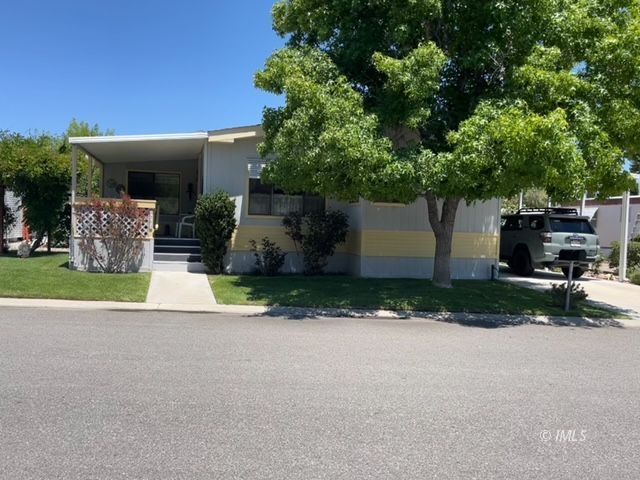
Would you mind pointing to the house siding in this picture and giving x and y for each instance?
(384, 240)
(13, 203)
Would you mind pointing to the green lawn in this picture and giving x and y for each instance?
(47, 276)
(389, 294)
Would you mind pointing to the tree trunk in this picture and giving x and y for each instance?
(1, 219)
(49, 241)
(36, 243)
(442, 225)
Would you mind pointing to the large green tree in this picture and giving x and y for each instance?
(453, 101)
(38, 168)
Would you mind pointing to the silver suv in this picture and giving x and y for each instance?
(547, 237)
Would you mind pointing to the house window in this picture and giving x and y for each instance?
(267, 199)
(164, 188)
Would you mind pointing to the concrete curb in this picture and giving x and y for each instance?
(471, 319)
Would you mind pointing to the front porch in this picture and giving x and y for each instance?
(163, 174)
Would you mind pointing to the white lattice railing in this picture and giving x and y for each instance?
(89, 223)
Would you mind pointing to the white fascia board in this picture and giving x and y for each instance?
(138, 138)
(231, 137)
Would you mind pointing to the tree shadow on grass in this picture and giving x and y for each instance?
(480, 304)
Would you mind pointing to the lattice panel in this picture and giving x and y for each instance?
(87, 224)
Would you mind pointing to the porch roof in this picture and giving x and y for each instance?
(142, 148)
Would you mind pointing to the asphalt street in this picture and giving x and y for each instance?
(149, 395)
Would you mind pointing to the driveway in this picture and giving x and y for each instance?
(149, 395)
(612, 294)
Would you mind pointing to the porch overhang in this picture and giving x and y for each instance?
(230, 135)
(142, 148)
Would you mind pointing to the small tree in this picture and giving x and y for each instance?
(111, 233)
(215, 224)
(318, 233)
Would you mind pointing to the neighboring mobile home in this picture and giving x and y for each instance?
(14, 203)
(167, 173)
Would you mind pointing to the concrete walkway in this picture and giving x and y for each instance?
(609, 293)
(180, 288)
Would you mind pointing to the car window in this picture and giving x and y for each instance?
(536, 222)
(571, 225)
(512, 223)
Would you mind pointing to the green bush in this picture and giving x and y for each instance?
(558, 293)
(269, 256)
(318, 233)
(633, 255)
(215, 224)
(634, 276)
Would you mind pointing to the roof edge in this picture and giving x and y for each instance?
(138, 138)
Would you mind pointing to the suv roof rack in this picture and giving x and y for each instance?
(556, 210)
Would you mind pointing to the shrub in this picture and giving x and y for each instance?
(269, 256)
(558, 293)
(597, 265)
(112, 233)
(634, 276)
(633, 255)
(215, 224)
(318, 233)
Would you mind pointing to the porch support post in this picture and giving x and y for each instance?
(624, 237)
(74, 187)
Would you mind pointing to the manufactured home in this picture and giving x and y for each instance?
(165, 175)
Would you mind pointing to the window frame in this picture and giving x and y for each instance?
(155, 172)
(273, 188)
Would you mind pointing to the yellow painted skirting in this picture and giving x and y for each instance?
(379, 243)
(387, 243)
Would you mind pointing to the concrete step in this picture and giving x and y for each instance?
(163, 241)
(193, 267)
(177, 249)
(177, 257)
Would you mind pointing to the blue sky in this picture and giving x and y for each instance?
(136, 66)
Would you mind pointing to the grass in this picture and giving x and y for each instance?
(47, 276)
(390, 294)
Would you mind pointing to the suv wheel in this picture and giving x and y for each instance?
(521, 262)
(577, 272)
